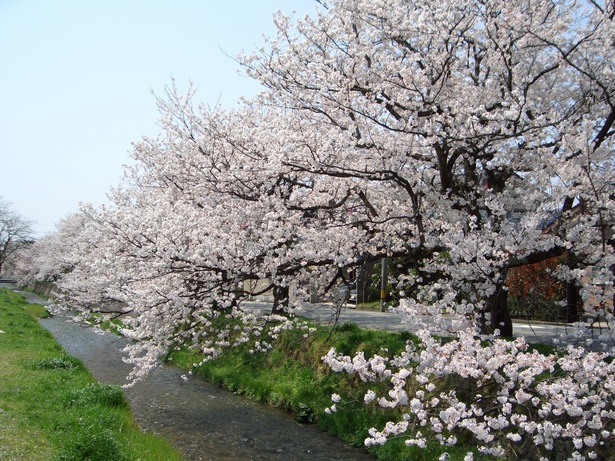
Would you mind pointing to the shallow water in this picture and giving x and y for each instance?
(202, 420)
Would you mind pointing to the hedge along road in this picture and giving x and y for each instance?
(202, 420)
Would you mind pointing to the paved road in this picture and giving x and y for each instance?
(534, 332)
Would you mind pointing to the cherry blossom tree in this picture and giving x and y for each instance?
(206, 211)
(48, 257)
(486, 120)
(15, 232)
(491, 125)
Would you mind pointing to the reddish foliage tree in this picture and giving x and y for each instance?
(537, 280)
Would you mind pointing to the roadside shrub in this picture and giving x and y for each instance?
(535, 308)
(348, 327)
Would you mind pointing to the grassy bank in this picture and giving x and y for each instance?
(292, 376)
(50, 406)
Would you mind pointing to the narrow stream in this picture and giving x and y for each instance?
(202, 420)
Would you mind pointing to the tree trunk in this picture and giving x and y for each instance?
(572, 311)
(280, 299)
(497, 306)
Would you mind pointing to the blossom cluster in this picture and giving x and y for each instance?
(510, 400)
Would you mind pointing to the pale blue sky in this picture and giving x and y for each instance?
(76, 78)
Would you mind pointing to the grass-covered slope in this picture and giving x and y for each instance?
(50, 406)
(293, 376)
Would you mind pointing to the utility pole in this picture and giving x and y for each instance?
(383, 285)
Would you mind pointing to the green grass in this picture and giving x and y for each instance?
(50, 406)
